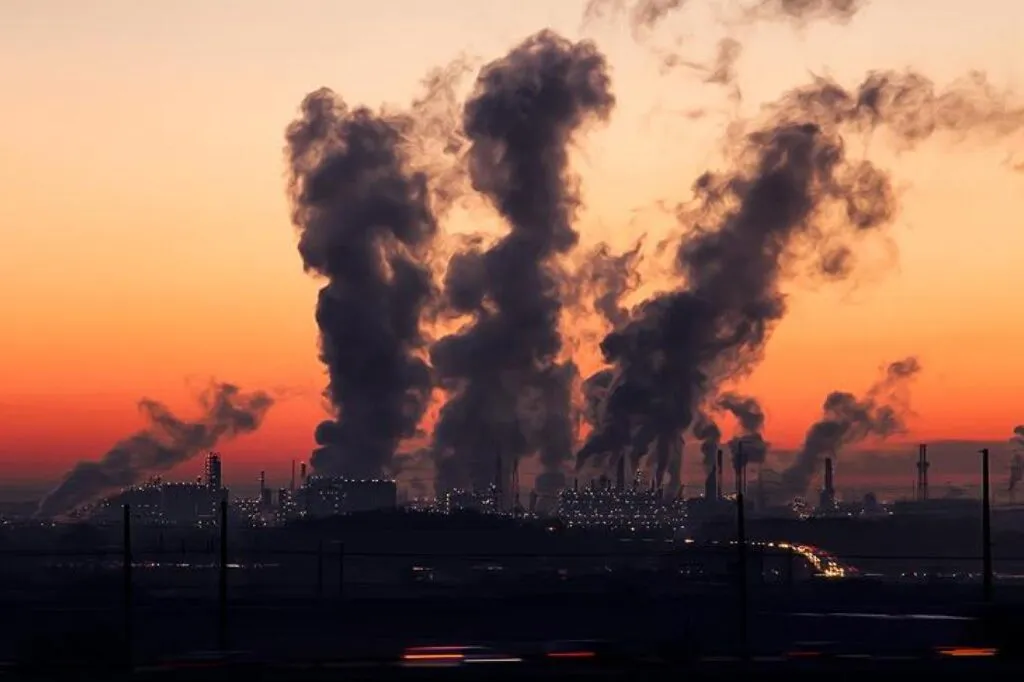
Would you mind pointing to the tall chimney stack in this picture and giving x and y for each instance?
(720, 483)
(922, 472)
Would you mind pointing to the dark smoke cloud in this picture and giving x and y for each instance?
(748, 446)
(508, 393)
(365, 222)
(848, 420)
(162, 444)
(744, 225)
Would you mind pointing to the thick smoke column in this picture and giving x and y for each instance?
(509, 395)
(365, 223)
(165, 442)
(848, 420)
(750, 441)
(792, 195)
(608, 277)
(679, 346)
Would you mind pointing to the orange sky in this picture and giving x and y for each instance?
(147, 246)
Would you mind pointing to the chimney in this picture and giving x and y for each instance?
(720, 482)
(293, 476)
(922, 472)
(620, 473)
(711, 485)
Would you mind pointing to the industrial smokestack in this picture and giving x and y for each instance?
(848, 420)
(828, 491)
(922, 472)
(366, 224)
(620, 473)
(302, 473)
(720, 471)
(711, 485)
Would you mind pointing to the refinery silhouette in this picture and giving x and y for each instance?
(406, 543)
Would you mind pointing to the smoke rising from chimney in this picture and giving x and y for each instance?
(848, 420)
(162, 444)
(749, 441)
(509, 393)
(366, 223)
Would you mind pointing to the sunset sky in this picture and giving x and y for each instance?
(146, 242)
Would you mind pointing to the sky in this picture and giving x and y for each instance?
(145, 241)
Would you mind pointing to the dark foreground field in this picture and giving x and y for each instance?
(857, 624)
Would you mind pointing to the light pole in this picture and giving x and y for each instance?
(986, 527)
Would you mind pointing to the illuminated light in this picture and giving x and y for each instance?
(571, 654)
(803, 654)
(968, 652)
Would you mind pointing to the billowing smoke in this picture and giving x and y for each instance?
(792, 196)
(365, 224)
(509, 395)
(680, 346)
(162, 444)
(848, 420)
(748, 446)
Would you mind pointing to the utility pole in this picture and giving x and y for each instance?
(986, 526)
(222, 592)
(126, 569)
(741, 544)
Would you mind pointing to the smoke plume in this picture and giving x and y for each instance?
(365, 223)
(848, 420)
(744, 224)
(748, 446)
(509, 395)
(162, 444)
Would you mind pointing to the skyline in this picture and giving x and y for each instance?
(237, 233)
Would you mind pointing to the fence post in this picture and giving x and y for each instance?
(222, 592)
(986, 527)
(126, 569)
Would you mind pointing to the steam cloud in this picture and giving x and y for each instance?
(509, 394)
(789, 200)
(748, 446)
(848, 420)
(365, 221)
(164, 443)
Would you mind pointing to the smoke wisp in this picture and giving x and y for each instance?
(848, 420)
(165, 442)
